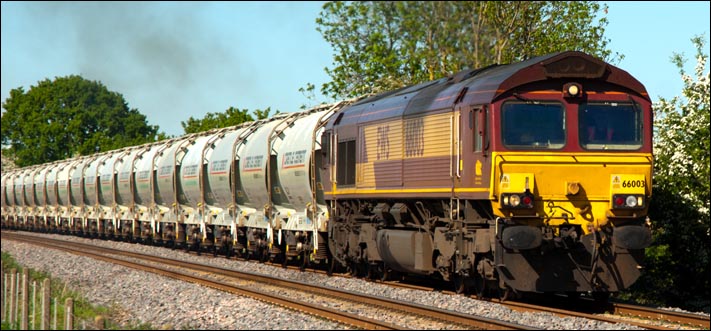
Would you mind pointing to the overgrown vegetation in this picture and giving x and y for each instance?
(67, 117)
(84, 312)
(385, 45)
(231, 116)
(677, 264)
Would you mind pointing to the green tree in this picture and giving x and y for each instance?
(231, 116)
(66, 117)
(385, 45)
(677, 270)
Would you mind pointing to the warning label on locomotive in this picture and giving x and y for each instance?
(615, 181)
(628, 183)
(505, 182)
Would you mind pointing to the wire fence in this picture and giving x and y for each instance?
(28, 305)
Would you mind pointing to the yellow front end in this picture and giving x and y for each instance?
(572, 222)
(555, 189)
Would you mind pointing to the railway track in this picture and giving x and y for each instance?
(645, 317)
(243, 283)
(648, 318)
(655, 314)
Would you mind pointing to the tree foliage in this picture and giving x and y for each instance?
(386, 45)
(66, 117)
(677, 270)
(231, 116)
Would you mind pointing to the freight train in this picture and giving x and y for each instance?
(528, 177)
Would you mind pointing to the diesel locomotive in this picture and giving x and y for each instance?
(528, 177)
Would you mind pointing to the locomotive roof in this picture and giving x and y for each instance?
(485, 85)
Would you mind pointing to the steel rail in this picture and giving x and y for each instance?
(426, 311)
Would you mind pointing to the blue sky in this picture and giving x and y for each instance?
(173, 60)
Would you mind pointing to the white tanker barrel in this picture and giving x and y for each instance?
(191, 170)
(165, 182)
(63, 184)
(3, 191)
(19, 189)
(90, 179)
(106, 179)
(294, 157)
(219, 168)
(124, 192)
(10, 189)
(28, 187)
(7, 198)
(77, 182)
(51, 184)
(253, 167)
(144, 176)
(40, 188)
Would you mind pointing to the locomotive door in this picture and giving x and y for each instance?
(473, 161)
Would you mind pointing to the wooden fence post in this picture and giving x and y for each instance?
(17, 298)
(4, 296)
(25, 299)
(34, 306)
(69, 314)
(2, 304)
(99, 322)
(56, 308)
(45, 304)
(13, 297)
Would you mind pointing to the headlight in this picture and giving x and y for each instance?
(631, 201)
(627, 201)
(515, 200)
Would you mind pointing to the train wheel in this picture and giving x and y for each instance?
(601, 297)
(572, 296)
(480, 286)
(353, 269)
(331, 266)
(284, 261)
(505, 293)
(304, 260)
(459, 283)
(371, 271)
(228, 250)
(384, 272)
(263, 255)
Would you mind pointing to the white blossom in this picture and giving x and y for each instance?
(681, 140)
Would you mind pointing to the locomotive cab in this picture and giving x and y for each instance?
(571, 181)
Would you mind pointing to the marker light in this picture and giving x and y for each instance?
(573, 90)
(526, 200)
